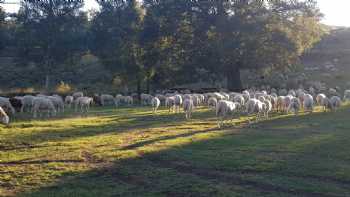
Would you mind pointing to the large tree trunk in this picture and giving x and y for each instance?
(234, 79)
(148, 81)
(138, 88)
(47, 83)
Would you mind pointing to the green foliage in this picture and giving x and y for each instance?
(63, 88)
(160, 44)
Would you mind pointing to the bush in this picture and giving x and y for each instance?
(63, 88)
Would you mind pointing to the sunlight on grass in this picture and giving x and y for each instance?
(38, 153)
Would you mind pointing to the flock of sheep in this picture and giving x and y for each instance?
(226, 104)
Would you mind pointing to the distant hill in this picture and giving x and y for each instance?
(329, 60)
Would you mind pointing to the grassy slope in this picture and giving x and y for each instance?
(130, 152)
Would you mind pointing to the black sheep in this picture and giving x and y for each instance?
(16, 103)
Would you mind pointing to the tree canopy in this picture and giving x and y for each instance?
(160, 44)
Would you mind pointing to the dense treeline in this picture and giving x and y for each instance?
(128, 45)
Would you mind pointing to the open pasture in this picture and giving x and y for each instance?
(131, 152)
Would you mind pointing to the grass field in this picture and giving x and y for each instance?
(130, 152)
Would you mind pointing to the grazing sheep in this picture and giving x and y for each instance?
(292, 92)
(146, 99)
(69, 101)
(16, 102)
(280, 103)
(119, 99)
(188, 107)
(300, 96)
(346, 95)
(4, 118)
(326, 104)
(320, 98)
(335, 102)
(129, 100)
(42, 105)
(223, 108)
(294, 106)
(286, 102)
(308, 103)
(84, 103)
(239, 99)
(6, 105)
(170, 103)
(267, 108)
(212, 102)
(273, 99)
(57, 102)
(77, 95)
(155, 104)
(255, 106)
(97, 100)
(162, 98)
(332, 92)
(107, 99)
(27, 103)
(246, 95)
(282, 92)
(273, 91)
(178, 103)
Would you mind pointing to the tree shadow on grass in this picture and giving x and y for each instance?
(244, 164)
(115, 124)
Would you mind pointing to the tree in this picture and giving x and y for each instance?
(226, 36)
(2, 28)
(114, 38)
(49, 33)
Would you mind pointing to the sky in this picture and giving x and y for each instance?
(336, 12)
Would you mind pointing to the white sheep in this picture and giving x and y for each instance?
(239, 99)
(77, 95)
(308, 103)
(320, 98)
(107, 99)
(326, 104)
(84, 104)
(69, 101)
(254, 106)
(4, 118)
(335, 102)
(294, 106)
(155, 102)
(212, 102)
(332, 92)
(177, 103)
(146, 99)
(170, 103)
(42, 105)
(27, 103)
(188, 107)
(129, 100)
(267, 108)
(346, 95)
(282, 92)
(280, 103)
(292, 92)
(57, 102)
(273, 99)
(286, 102)
(162, 98)
(223, 108)
(119, 99)
(6, 105)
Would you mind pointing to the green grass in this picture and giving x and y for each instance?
(131, 152)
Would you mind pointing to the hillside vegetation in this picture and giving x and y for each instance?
(329, 60)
